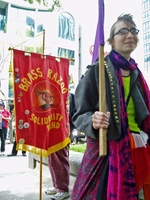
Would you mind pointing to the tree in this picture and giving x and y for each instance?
(51, 4)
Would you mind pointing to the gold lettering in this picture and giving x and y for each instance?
(57, 125)
(60, 118)
(38, 121)
(49, 73)
(35, 75)
(23, 87)
(45, 120)
(26, 82)
(32, 117)
(35, 119)
(30, 77)
(62, 85)
(55, 77)
(51, 119)
(38, 70)
(64, 90)
(53, 125)
(59, 80)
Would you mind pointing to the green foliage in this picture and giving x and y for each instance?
(78, 147)
(29, 49)
(11, 81)
(54, 5)
(39, 50)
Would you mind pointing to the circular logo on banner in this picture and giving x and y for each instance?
(45, 96)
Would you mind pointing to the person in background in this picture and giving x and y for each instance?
(14, 152)
(72, 110)
(4, 122)
(58, 163)
(125, 170)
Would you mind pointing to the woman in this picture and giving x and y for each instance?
(4, 122)
(126, 169)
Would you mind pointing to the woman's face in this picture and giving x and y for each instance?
(124, 44)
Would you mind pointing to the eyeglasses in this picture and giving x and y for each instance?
(124, 31)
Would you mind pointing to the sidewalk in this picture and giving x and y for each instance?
(19, 182)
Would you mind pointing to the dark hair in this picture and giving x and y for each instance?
(2, 103)
(126, 18)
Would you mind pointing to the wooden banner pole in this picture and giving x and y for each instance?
(102, 102)
(40, 197)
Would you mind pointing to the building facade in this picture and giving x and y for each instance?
(146, 33)
(34, 28)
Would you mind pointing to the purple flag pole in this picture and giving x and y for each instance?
(99, 38)
(98, 53)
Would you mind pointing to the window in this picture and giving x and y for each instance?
(22, 22)
(66, 53)
(66, 28)
(39, 28)
(30, 27)
(2, 19)
(147, 62)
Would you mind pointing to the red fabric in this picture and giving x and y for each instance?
(147, 192)
(141, 166)
(37, 79)
(6, 114)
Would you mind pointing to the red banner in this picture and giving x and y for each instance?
(41, 102)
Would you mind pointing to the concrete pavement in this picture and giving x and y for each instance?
(19, 182)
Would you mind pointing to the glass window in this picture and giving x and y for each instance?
(2, 19)
(66, 28)
(39, 28)
(147, 62)
(66, 53)
(144, 37)
(30, 26)
(22, 21)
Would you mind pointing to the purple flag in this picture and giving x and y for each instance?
(99, 38)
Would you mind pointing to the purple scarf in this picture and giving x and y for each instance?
(121, 182)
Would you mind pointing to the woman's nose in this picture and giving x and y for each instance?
(129, 34)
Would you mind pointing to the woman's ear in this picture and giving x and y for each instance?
(109, 44)
(109, 41)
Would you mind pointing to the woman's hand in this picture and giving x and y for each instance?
(100, 120)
